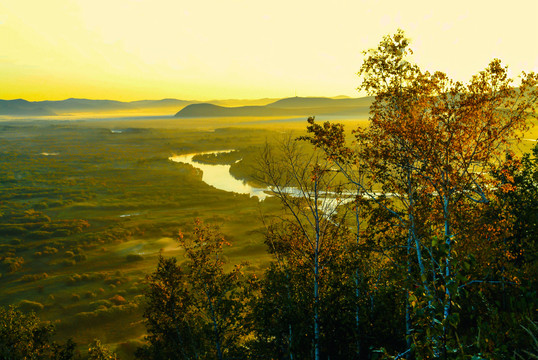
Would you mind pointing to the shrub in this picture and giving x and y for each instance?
(89, 294)
(67, 262)
(98, 351)
(118, 300)
(13, 264)
(12, 230)
(28, 306)
(134, 257)
(48, 250)
(41, 205)
(40, 235)
(15, 241)
(100, 304)
(34, 277)
(61, 233)
(80, 257)
(23, 336)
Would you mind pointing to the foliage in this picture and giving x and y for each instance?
(431, 146)
(198, 310)
(22, 336)
(412, 237)
(98, 351)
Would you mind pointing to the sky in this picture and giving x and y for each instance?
(244, 49)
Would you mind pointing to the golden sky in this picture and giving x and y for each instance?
(211, 49)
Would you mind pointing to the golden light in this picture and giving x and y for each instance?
(206, 49)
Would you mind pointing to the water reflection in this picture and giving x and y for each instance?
(219, 176)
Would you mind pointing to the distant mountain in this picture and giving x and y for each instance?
(22, 107)
(309, 102)
(296, 106)
(160, 103)
(211, 110)
(242, 102)
(84, 105)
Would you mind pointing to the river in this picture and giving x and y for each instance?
(219, 176)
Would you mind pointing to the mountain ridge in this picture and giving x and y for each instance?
(21, 107)
(292, 106)
(295, 106)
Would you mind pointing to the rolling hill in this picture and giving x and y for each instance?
(295, 106)
(22, 107)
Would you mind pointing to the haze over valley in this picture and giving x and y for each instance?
(284, 180)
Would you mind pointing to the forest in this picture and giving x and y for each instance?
(411, 236)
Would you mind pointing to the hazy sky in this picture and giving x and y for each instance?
(208, 49)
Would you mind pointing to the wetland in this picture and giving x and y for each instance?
(86, 207)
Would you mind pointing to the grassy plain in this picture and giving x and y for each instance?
(87, 206)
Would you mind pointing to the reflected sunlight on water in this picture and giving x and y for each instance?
(219, 176)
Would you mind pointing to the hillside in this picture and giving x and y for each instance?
(319, 102)
(22, 107)
(210, 110)
(296, 106)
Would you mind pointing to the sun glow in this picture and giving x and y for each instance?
(139, 49)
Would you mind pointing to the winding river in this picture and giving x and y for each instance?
(219, 176)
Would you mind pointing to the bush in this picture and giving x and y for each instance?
(134, 257)
(13, 264)
(41, 205)
(29, 306)
(40, 235)
(103, 313)
(61, 233)
(48, 250)
(15, 241)
(34, 277)
(99, 303)
(12, 230)
(89, 295)
(23, 336)
(98, 351)
(68, 262)
(118, 300)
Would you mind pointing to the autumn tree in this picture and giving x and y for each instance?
(24, 336)
(197, 310)
(98, 351)
(431, 144)
(312, 238)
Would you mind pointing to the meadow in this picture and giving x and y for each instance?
(86, 207)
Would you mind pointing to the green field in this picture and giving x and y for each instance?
(85, 211)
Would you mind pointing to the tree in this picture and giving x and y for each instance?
(98, 351)
(198, 310)
(23, 336)
(172, 324)
(431, 144)
(311, 236)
